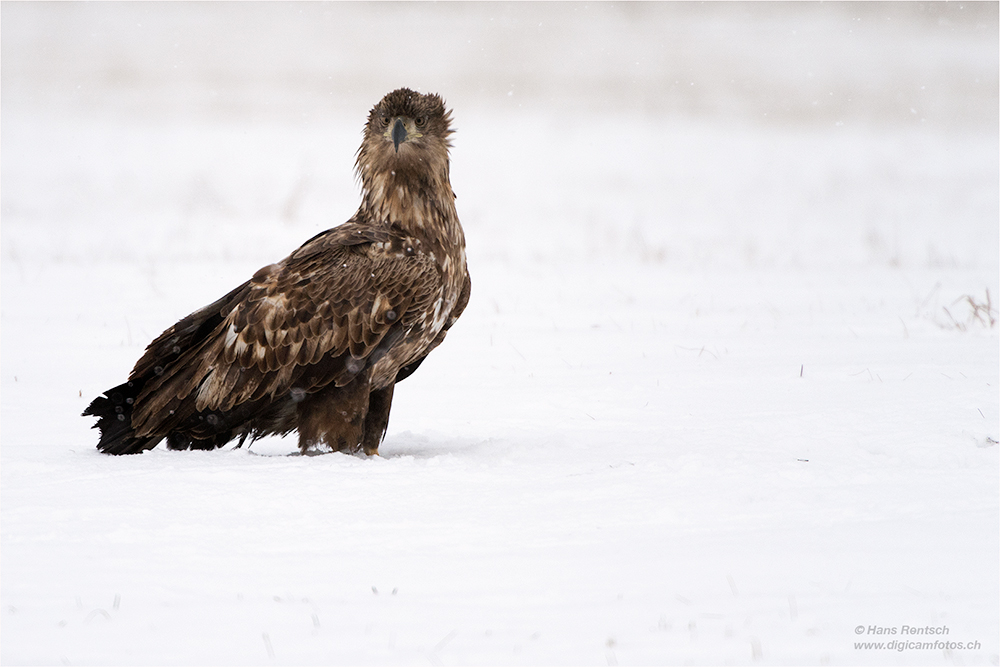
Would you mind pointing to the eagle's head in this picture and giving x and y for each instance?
(406, 134)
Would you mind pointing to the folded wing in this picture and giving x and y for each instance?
(321, 316)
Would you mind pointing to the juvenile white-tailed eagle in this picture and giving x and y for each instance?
(316, 342)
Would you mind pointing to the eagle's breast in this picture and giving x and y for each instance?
(431, 237)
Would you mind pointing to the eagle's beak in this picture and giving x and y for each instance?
(398, 133)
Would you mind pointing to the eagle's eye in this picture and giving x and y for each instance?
(384, 119)
(421, 121)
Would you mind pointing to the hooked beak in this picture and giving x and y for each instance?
(398, 133)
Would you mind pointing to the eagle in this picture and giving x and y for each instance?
(316, 343)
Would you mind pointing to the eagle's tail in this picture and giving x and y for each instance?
(114, 418)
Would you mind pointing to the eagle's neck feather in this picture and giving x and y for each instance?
(422, 205)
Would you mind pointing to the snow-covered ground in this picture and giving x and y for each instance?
(726, 392)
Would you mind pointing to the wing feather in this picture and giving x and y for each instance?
(295, 323)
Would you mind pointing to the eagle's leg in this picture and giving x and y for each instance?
(377, 419)
(334, 418)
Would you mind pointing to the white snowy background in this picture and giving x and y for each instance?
(726, 390)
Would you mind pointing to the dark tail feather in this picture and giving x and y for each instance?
(114, 418)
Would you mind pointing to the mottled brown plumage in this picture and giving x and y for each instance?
(317, 341)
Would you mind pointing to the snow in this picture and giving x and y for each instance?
(726, 389)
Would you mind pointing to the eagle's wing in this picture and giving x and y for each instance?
(320, 316)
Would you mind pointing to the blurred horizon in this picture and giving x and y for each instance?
(872, 64)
